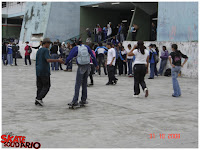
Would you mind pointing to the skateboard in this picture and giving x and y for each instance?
(75, 107)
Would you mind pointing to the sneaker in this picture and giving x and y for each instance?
(150, 78)
(91, 84)
(136, 96)
(130, 75)
(83, 102)
(109, 83)
(39, 102)
(175, 96)
(115, 82)
(73, 104)
(146, 91)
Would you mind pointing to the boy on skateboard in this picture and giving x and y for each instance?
(83, 53)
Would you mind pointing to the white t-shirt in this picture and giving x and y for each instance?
(139, 57)
(100, 50)
(111, 54)
(129, 57)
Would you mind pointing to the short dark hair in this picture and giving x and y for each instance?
(175, 46)
(110, 44)
(100, 44)
(164, 47)
(151, 45)
(129, 45)
(78, 42)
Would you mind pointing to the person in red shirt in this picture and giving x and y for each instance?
(27, 54)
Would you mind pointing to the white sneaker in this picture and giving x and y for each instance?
(146, 91)
(136, 96)
(38, 102)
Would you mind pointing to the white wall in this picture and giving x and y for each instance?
(189, 48)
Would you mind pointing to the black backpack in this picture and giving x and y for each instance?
(167, 72)
(29, 50)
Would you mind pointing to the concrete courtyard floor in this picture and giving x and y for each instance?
(112, 119)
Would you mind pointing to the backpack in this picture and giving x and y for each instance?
(29, 50)
(156, 58)
(167, 72)
(83, 55)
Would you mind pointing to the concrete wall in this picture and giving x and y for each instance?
(177, 21)
(64, 21)
(35, 21)
(56, 20)
(142, 19)
(189, 48)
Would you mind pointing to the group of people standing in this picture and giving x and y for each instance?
(91, 56)
(9, 51)
(102, 34)
(113, 57)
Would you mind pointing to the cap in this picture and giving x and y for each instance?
(46, 40)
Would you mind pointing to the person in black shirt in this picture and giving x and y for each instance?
(156, 59)
(15, 49)
(175, 62)
(153, 32)
(4, 52)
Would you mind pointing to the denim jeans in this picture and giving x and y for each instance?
(69, 65)
(162, 66)
(81, 79)
(4, 58)
(101, 62)
(10, 59)
(54, 64)
(95, 38)
(156, 70)
(99, 38)
(121, 37)
(130, 62)
(152, 70)
(175, 71)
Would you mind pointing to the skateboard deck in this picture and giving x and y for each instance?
(75, 107)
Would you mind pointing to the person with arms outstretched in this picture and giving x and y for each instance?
(43, 71)
(83, 53)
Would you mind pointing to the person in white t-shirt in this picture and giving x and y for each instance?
(141, 66)
(111, 59)
(129, 61)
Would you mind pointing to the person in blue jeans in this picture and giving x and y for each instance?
(164, 57)
(10, 55)
(82, 71)
(152, 54)
(129, 61)
(54, 55)
(175, 62)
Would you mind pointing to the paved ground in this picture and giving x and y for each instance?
(113, 117)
